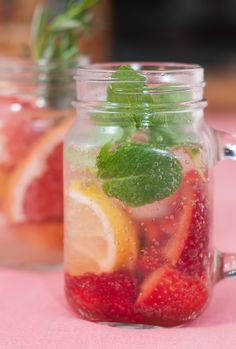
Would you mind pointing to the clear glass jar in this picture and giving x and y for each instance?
(138, 196)
(36, 111)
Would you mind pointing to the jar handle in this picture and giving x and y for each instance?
(225, 263)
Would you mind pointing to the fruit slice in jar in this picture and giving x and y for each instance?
(100, 236)
(182, 220)
(4, 175)
(19, 129)
(170, 298)
(194, 259)
(34, 190)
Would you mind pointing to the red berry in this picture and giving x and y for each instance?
(170, 298)
(103, 297)
(180, 227)
(194, 258)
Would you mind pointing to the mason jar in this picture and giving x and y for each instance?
(138, 196)
(36, 111)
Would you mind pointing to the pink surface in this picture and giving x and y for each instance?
(34, 314)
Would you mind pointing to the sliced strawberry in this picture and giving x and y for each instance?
(181, 223)
(194, 258)
(170, 298)
(104, 297)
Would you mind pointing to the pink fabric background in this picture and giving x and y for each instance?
(34, 314)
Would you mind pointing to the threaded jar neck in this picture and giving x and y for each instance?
(51, 83)
(167, 86)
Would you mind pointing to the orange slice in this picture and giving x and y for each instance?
(99, 235)
(35, 188)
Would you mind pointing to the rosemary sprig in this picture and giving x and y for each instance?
(55, 45)
(57, 38)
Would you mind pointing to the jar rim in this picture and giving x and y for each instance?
(145, 66)
(13, 64)
(160, 72)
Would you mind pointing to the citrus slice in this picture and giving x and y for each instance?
(4, 174)
(20, 127)
(35, 188)
(100, 236)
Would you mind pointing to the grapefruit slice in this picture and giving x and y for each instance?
(99, 235)
(35, 188)
(20, 127)
(4, 174)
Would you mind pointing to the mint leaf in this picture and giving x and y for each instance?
(138, 174)
(126, 78)
(127, 87)
(124, 93)
(169, 94)
(171, 129)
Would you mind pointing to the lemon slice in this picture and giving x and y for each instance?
(99, 235)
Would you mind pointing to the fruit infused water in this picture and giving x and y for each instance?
(137, 203)
(31, 171)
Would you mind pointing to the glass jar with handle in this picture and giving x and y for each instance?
(138, 196)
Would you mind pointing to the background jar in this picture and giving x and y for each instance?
(35, 105)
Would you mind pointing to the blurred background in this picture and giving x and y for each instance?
(192, 31)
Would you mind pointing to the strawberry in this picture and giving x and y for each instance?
(103, 297)
(194, 257)
(187, 248)
(170, 298)
(181, 223)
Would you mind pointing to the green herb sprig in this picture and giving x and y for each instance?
(139, 174)
(56, 39)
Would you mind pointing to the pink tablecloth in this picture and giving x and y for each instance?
(34, 314)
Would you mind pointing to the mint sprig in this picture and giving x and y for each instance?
(131, 102)
(138, 174)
